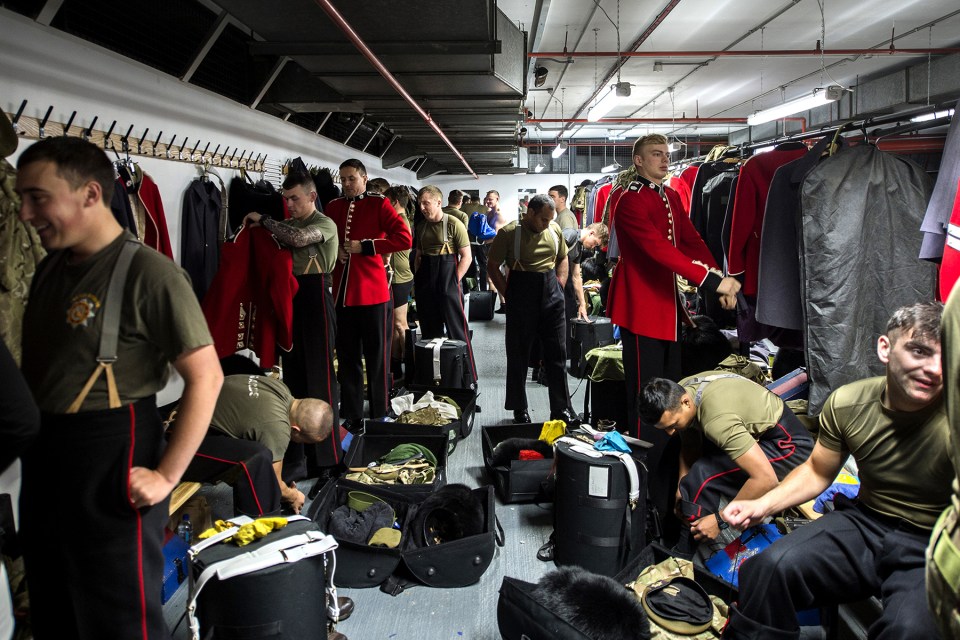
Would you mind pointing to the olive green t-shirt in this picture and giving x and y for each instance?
(538, 252)
(733, 412)
(160, 319)
(567, 220)
(255, 408)
(400, 261)
(950, 334)
(459, 215)
(430, 240)
(902, 457)
(326, 251)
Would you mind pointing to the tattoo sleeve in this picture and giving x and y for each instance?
(291, 236)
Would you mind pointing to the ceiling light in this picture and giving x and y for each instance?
(539, 76)
(657, 66)
(560, 149)
(610, 168)
(539, 167)
(610, 99)
(820, 96)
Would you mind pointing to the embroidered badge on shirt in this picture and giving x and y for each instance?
(82, 308)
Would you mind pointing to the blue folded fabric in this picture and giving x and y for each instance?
(612, 441)
(849, 490)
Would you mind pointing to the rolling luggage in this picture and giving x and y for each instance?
(481, 305)
(442, 362)
(584, 336)
(600, 509)
(274, 587)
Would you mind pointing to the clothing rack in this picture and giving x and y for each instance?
(901, 120)
(127, 144)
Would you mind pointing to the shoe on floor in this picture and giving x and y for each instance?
(567, 416)
(521, 416)
(502, 309)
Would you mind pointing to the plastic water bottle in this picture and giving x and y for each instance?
(185, 529)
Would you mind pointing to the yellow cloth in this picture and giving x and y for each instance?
(552, 429)
(248, 532)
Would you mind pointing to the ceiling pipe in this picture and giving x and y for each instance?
(602, 86)
(637, 121)
(745, 53)
(339, 20)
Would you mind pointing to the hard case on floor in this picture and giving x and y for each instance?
(481, 305)
(793, 386)
(442, 362)
(379, 438)
(584, 336)
(466, 399)
(283, 597)
(516, 480)
(595, 526)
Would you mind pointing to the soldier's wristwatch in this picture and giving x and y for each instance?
(720, 522)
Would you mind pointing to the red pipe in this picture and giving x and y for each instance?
(372, 58)
(638, 120)
(742, 53)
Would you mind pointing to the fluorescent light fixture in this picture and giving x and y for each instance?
(820, 96)
(610, 168)
(539, 167)
(610, 99)
(932, 116)
(560, 149)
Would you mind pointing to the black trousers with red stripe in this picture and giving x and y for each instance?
(309, 373)
(364, 331)
(645, 358)
(94, 563)
(245, 465)
(440, 301)
(714, 476)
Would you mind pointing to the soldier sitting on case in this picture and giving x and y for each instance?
(896, 429)
(738, 440)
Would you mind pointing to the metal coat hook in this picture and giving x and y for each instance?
(183, 147)
(107, 140)
(170, 144)
(194, 149)
(156, 142)
(224, 156)
(203, 155)
(140, 141)
(43, 123)
(69, 123)
(16, 116)
(125, 140)
(89, 130)
(214, 155)
(234, 155)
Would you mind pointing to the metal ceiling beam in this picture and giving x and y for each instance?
(747, 53)
(539, 23)
(277, 68)
(208, 43)
(49, 12)
(602, 121)
(372, 138)
(344, 26)
(447, 48)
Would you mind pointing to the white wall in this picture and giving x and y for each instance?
(47, 67)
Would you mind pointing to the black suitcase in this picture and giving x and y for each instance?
(466, 399)
(273, 587)
(442, 362)
(410, 341)
(607, 401)
(516, 480)
(595, 524)
(584, 336)
(481, 305)
(379, 438)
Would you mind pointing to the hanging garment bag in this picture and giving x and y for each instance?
(599, 515)
(274, 587)
(442, 362)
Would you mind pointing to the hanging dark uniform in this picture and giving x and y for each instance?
(439, 297)
(363, 306)
(535, 309)
(308, 368)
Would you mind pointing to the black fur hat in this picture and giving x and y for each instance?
(598, 606)
(510, 449)
(451, 513)
(702, 347)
